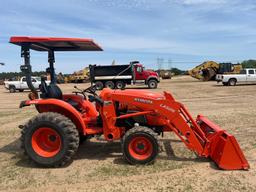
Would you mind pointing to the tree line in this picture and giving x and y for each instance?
(249, 63)
(17, 75)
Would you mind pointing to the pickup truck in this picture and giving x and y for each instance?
(246, 76)
(22, 85)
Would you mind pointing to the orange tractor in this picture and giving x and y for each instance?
(136, 117)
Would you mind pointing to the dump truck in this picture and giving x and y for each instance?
(136, 118)
(207, 71)
(118, 76)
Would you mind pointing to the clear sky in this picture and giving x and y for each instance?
(185, 31)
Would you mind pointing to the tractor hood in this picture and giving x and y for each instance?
(139, 93)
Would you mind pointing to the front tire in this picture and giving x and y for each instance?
(140, 145)
(50, 139)
(152, 84)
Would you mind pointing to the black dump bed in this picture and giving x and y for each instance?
(104, 72)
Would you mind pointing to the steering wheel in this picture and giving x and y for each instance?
(91, 90)
(93, 95)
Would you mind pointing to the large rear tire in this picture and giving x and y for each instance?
(50, 139)
(140, 145)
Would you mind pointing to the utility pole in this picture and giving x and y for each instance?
(160, 62)
(169, 64)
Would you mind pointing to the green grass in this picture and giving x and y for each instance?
(127, 170)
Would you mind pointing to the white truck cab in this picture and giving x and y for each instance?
(246, 76)
(22, 85)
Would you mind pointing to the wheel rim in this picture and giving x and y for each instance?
(152, 84)
(140, 148)
(46, 142)
(109, 86)
(98, 86)
(119, 85)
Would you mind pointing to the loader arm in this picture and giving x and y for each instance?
(177, 119)
(201, 135)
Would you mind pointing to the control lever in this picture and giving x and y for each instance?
(80, 91)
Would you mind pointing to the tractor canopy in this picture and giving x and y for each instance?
(56, 44)
(50, 45)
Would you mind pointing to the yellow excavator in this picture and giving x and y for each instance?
(78, 76)
(209, 69)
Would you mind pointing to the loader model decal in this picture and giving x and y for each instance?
(167, 108)
(143, 100)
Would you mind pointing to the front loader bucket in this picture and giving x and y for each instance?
(223, 148)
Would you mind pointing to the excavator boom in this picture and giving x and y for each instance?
(205, 71)
(209, 69)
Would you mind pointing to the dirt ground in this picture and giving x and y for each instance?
(98, 166)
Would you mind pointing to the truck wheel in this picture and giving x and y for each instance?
(120, 85)
(12, 89)
(232, 82)
(152, 84)
(110, 84)
(50, 139)
(140, 145)
(99, 85)
(21, 90)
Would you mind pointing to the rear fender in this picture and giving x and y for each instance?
(58, 106)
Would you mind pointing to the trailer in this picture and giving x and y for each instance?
(118, 76)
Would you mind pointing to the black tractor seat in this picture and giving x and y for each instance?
(50, 91)
(53, 91)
